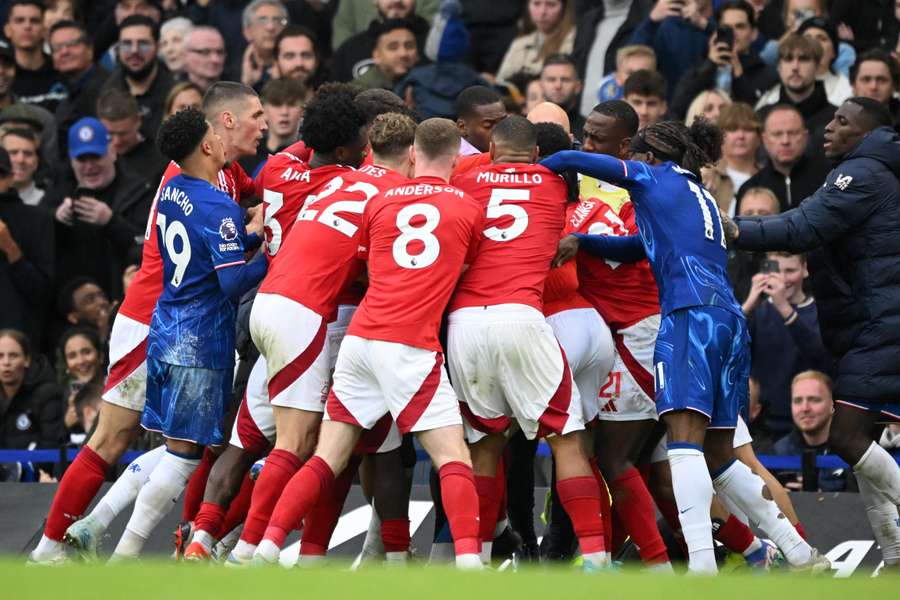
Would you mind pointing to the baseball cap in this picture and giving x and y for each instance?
(5, 164)
(6, 52)
(22, 113)
(88, 136)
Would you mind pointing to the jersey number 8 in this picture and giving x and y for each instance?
(175, 230)
(423, 234)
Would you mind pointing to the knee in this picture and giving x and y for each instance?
(846, 446)
(111, 441)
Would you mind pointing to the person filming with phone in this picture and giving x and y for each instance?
(784, 333)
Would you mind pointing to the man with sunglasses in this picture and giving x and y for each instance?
(140, 73)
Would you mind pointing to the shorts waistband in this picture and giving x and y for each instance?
(496, 313)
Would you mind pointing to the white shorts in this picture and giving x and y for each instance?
(373, 377)
(294, 341)
(589, 348)
(741, 438)
(254, 425)
(627, 394)
(505, 362)
(126, 381)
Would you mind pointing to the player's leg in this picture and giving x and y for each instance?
(486, 453)
(746, 454)
(520, 492)
(391, 499)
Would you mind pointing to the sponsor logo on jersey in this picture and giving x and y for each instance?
(843, 181)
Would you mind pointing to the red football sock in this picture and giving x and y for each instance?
(237, 510)
(460, 502)
(606, 512)
(487, 506)
(798, 526)
(322, 519)
(193, 494)
(395, 535)
(78, 487)
(580, 496)
(209, 518)
(310, 483)
(279, 468)
(735, 535)
(635, 508)
(620, 536)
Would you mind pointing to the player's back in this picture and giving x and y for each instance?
(197, 226)
(525, 207)
(319, 260)
(416, 238)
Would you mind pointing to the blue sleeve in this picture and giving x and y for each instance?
(225, 237)
(624, 173)
(253, 241)
(624, 249)
(236, 281)
(645, 33)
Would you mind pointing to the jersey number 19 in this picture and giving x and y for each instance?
(179, 257)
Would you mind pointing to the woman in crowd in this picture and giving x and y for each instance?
(709, 104)
(171, 43)
(548, 28)
(741, 131)
(183, 95)
(82, 354)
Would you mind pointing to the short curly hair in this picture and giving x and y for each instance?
(332, 118)
(180, 134)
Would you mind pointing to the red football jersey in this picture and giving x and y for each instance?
(416, 238)
(147, 285)
(317, 263)
(622, 293)
(525, 209)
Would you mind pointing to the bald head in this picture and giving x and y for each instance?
(547, 112)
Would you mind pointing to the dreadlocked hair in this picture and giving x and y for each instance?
(691, 147)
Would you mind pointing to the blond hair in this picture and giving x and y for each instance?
(626, 52)
(817, 375)
(437, 138)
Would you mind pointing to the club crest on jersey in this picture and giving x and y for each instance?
(843, 181)
(227, 229)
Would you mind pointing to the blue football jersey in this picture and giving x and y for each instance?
(200, 229)
(679, 224)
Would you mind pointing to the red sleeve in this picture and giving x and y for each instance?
(362, 251)
(467, 163)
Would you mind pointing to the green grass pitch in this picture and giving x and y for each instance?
(168, 581)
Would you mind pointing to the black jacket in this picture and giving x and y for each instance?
(25, 286)
(586, 32)
(749, 87)
(82, 102)
(151, 103)
(853, 224)
(35, 414)
(354, 56)
(816, 111)
(805, 178)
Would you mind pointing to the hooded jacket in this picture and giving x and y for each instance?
(852, 227)
(35, 414)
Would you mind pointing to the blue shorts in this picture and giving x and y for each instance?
(887, 413)
(702, 363)
(186, 403)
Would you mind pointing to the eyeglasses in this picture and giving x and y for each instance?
(207, 51)
(791, 134)
(264, 21)
(59, 47)
(141, 46)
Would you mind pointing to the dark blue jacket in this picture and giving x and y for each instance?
(853, 224)
(678, 44)
(830, 480)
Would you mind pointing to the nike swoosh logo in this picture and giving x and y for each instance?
(685, 510)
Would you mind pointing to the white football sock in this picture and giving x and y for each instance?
(485, 555)
(47, 548)
(244, 550)
(395, 559)
(373, 546)
(126, 488)
(693, 494)
(155, 500)
(205, 539)
(882, 471)
(745, 489)
(883, 518)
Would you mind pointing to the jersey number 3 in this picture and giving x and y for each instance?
(169, 234)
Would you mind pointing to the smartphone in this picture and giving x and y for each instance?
(769, 266)
(725, 35)
(83, 191)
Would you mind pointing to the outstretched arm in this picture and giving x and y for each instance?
(625, 173)
(624, 249)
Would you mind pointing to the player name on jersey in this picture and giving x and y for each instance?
(179, 197)
(519, 178)
(422, 189)
(292, 174)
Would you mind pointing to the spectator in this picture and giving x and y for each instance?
(83, 303)
(837, 86)
(762, 439)
(101, 213)
(30, 399)
(492, 26)
(599, 33)
(645, 91)
(354, 56)
(628, 60)
(282, 100)
(876, 75)
(108, 32)
(789, 172)
(26, 258)
(140, 73)
(353, 17)
(172, 36)
(709, 105)
(743, 265)
(81, 354)
(798, 60)
(120, 114)
(297, 56)
(262, 21)
(87, 409)
(679, 33)
(811, 411)
(534, 95)
(732, 67)
(866, 24)
(73, 57)
(36, 80)
(22, 146)
(226, 18)
(740, 144)
(204, 56)
(394, 54)
(784, 333)
(58, 10)
(560, 84)
(478, 110)
(548, 29)
(182, 95)
(318, 17)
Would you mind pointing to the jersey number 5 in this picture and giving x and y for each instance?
(496, 209)
(180, 258)
(422, 234)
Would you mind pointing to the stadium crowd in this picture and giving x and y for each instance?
(86, 86)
